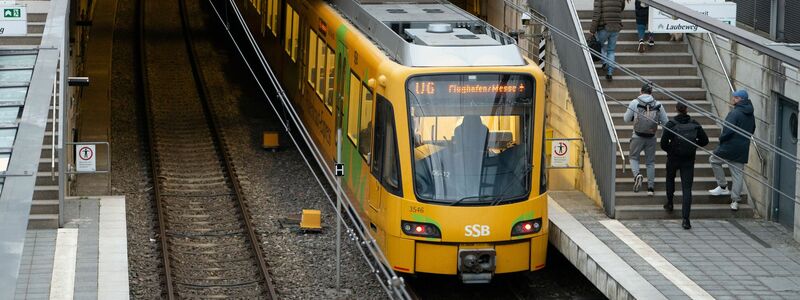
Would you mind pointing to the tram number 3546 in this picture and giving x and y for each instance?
(476, 230)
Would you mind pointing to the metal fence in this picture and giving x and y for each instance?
(586, 93)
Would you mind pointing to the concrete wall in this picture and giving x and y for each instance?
(750, 70)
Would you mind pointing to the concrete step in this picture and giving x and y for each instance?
(626, 94)
(44, 178)
(43, 221)
(657, 69)
(29, 39)
(699, 211)
(661, 156)
(626, 130)
(633, 35)
(632, 46)
(628, 197)
(37, 17)
(586, 15)
(36, 27)
(700, 183)
(39, 207)
(45, 192)
(48, 137)
(621, 103)
(624, 58)
(625, 81)
(627, 23)
(46, 167)
(617, 118)
(701, 168)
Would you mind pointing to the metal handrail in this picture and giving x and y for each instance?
(53, 129)
(753, 143)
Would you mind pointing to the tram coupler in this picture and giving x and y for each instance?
(476, 265)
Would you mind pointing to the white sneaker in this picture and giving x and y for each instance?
(719, 191)
(734, 205)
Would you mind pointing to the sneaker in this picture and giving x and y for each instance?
(641, 46)
(609, 77)
(734, 206)
(650, 192)
(719, 191)
(668, 207)
(686, 224)
(637, 183)
(651, 42)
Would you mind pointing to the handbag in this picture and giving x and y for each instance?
(596, 46)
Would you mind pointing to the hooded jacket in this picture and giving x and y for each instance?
(630, 113)
(667, 137)
(732, 145)
(607, 14)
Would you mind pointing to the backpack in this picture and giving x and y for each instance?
(645, 122)
(685, 137)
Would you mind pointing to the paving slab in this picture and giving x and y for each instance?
(716, 259)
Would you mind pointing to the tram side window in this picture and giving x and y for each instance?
(386, 164)
(352, 114)
(272, 16)
(312, 58)
(321, 51)
(331, 77)
(290, 32)
(365, 129)
(256, 5)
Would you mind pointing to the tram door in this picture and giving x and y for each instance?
(786, 170)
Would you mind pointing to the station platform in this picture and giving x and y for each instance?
(658, 259)
(86, 259)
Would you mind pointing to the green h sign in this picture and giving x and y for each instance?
(12, 13)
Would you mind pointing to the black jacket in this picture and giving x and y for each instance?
(667, 137)
(642, 13)
(732, 145)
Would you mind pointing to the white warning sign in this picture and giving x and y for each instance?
(559, 157)
(85, 158)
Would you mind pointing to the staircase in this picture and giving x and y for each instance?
(672, 66)
(44, 206)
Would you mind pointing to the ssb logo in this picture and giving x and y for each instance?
(476, 230)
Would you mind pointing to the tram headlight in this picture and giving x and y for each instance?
(527, 227)
(420, 229)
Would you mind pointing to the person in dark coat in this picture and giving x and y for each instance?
(679, 138)
(734, 148)
(642, 18)
(606, 24)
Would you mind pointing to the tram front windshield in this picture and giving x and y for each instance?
(471, 135)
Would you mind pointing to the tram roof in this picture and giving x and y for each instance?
(428, 33)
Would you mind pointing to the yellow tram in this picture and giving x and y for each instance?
(442, 122)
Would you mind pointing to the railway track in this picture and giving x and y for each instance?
(209, 247)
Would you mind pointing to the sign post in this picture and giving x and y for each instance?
(13, 20)
(85, 158)
(661, 22)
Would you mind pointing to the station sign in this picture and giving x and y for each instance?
(13, 20)
(85, 158)
(662, 22)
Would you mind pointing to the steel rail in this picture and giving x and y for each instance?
(150, 132)
(218, 135)
(218, 141)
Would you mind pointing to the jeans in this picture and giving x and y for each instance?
(642, 30)
(648, 144)
(686, 167)
(610, 49)
(737, 172)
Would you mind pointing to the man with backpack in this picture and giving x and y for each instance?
(646, 113)
(680, 140)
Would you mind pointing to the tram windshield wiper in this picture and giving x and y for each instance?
(471, 198)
